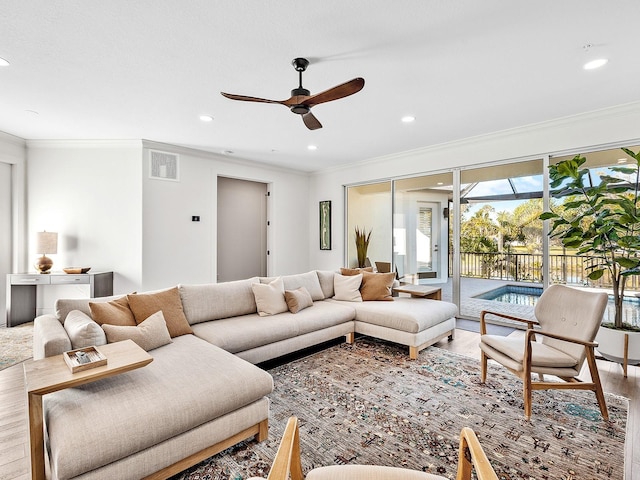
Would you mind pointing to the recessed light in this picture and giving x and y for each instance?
(440, 183)
(3, 62)
(312, 147)
(206, 118)
(32, 112)
(408, 119)
(622, 160)
(593, 64)
(228, 152)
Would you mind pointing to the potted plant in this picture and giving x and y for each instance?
(362, 245)
(603, 223)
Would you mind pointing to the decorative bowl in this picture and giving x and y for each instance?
(76, 270)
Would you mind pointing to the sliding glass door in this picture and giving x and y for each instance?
(421, 228)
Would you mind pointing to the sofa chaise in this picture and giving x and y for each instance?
(202, 392)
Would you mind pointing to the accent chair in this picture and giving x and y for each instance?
(567, 322)
(287, 463)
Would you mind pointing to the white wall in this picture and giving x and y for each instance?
(578, 133)
(90, 192)
(177, 250)
(370, 211)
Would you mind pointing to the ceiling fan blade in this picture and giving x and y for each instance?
(311, 121)
(339, 91)
(249, 99)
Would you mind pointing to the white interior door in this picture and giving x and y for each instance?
(242, 229)
(427, 238)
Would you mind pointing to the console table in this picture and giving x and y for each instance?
(22, 289)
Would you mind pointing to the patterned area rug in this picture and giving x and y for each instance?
(16, 344)
(368, 403)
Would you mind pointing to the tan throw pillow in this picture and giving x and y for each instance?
(143, 305)
(347, 287)
(298, 299)
(270, 297)
(116, 312)
(151, 333)
(82, 330)
(355, 271)
(377, 286)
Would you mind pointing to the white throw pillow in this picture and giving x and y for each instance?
(347, 287)
(151, 333)
(270, 297)
(83, 331)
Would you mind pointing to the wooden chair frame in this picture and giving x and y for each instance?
(287, 463)
(572, 383)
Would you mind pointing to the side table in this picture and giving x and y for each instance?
(52, 374)
(422, 291)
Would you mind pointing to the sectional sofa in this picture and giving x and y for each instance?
(203, 392)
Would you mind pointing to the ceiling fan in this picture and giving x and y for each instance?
(301, 99)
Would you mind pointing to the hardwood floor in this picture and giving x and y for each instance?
(14, 434)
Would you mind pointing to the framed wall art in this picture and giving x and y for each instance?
(325, 225)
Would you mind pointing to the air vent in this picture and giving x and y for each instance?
(163, 166)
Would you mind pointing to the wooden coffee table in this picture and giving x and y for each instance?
(421, 291)
(52, 374)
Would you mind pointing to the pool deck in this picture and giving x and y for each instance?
(470, 307)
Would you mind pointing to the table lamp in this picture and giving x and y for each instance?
(47, 242)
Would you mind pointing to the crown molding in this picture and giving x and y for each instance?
(618, 111)
(99, 143)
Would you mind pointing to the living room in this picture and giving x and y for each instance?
(96, 192)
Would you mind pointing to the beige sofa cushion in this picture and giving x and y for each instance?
(251, 331)
(410, 315)
(298, 299)
(83, 331)
(115, 312)
(270, 297)
(143, 305)
(100, 422)
(213, 301)
(307, 280)
(326, 282)
(150, 334)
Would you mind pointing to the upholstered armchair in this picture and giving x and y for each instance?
(287, 463)
(567, 320)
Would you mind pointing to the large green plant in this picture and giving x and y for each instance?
(362, 245)
(602, 222)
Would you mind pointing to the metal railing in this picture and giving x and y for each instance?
(527, 267)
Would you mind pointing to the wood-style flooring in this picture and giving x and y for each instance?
(14, 436)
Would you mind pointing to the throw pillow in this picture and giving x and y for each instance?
(270, 297)
(377, 286)
(355, 271)
(151, 333)
(143, 305)
(347, 287)
(116, 312)
(298, 299)
(83, 331)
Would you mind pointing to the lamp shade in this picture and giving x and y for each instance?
(47, 242)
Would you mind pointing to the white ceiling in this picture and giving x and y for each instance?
(146, 69)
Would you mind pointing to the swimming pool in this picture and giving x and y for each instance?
(519, 295)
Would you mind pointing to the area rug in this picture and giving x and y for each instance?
(368, 403)
(16, 344)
